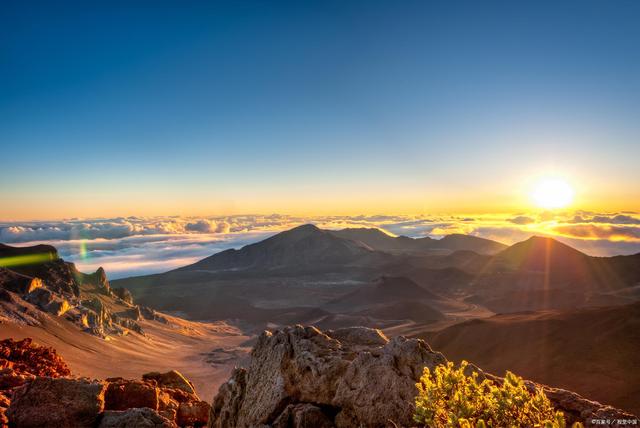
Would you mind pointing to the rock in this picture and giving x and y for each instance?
(131, 325)
(6, 296)
(123, 294)
(226, 406)
(96, 316)
(195, 413)
(359, 336)
(26, 358)
(131, 313)
(123, 394)
(58, 307)
(18, 283)
(97, 279)
(147, 312)
(579, 409)
(134, 418)
(303, 365)
(60, 402)
(48, 301)
(302, 416)
(150, 314)
(300, 376)
(59, 276)
(171, 379)
(9, 378)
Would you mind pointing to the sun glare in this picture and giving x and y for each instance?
(550, 193)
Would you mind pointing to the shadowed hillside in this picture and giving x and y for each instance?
(595, 352)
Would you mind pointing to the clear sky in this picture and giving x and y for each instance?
(332, 107)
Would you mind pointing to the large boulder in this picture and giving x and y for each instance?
(134, 418)
(365, 380)
(98, 279)
(123, 294)
(49, 301)
(302, 377)
(172, 379)
(193, 413)
(122, 394)
(61, 402)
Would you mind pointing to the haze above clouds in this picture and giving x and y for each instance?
(129, 246)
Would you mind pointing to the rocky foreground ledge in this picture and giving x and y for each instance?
(354, 377)
(37, 389)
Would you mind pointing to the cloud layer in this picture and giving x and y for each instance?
(128, 246)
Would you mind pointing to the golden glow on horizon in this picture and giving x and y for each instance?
(552, 193)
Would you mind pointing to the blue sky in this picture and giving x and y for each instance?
(160, 108)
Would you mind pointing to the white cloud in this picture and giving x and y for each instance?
(127, 246)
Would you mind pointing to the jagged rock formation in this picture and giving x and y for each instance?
(36, 390)
(42, 284)
(302, 377)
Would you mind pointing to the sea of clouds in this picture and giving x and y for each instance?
(128, 246)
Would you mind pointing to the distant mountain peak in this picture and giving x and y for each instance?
(537, 242)
(380, 240)
(308, 227)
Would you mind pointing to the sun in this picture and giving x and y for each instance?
(552, 193)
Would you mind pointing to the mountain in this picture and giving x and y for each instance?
(543, 273)
(595, 352)
(307, 267)
(540, 254)
(381, 241)
(389, 298)
(300, 247)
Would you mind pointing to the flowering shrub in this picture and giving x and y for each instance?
(450, 398)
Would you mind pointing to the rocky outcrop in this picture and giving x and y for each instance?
(172, 379)
(123, 294)
(58, 275)
(97, 279)
(98, 319)
(49, 301)
(150, 314)
(302, 377)
(363, 380)
(60, 402)
(39, 284)
(18, 283)
(37, 390)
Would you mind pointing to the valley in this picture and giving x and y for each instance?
(518, 308)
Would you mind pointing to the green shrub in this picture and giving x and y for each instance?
(450, 398)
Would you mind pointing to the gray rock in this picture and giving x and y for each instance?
(302, 377)
(350, 386)
(302, 416)
(134, 418)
